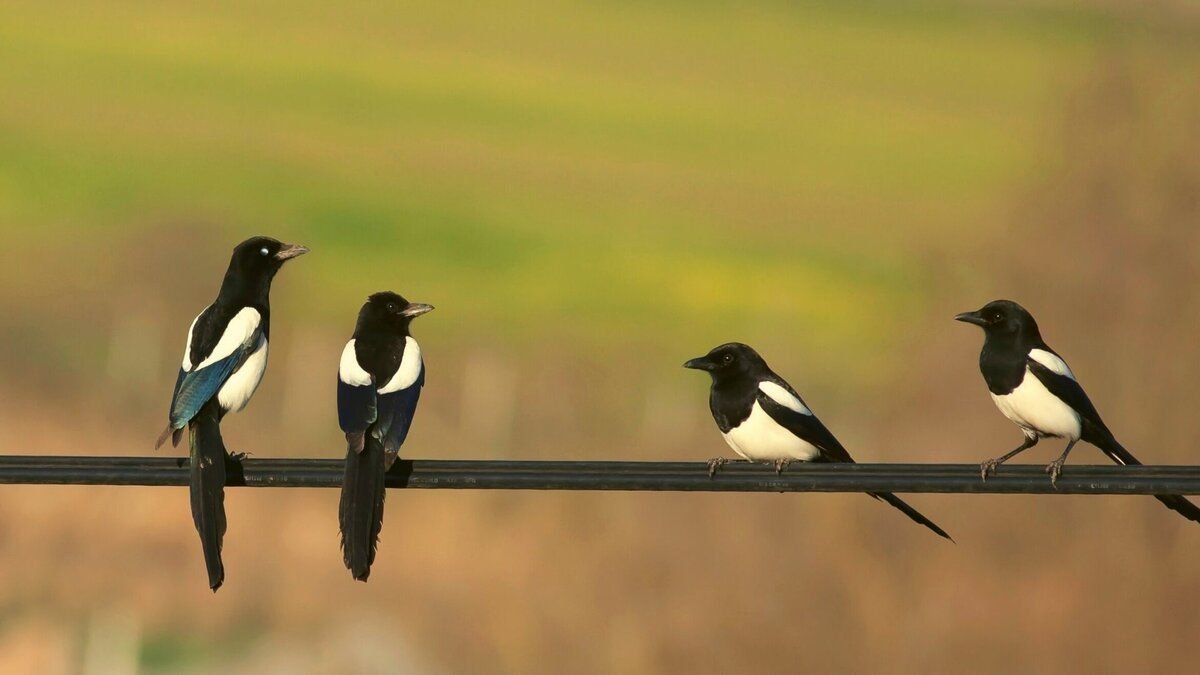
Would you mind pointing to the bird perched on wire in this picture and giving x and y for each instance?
(1035, 389)
(379, 383)
(764, 420)
(223, 362)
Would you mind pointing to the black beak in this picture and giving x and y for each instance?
(416, 309)
(971, 317)
(700, 363)
(290, 251)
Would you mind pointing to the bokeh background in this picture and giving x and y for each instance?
(591, 193)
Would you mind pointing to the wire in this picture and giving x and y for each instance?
(641, 476)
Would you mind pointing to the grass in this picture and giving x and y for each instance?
(659, 162)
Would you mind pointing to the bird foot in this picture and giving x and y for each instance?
(238, 456)
(988, 467)
(781, 464)
(1054, 469)
(716, 463)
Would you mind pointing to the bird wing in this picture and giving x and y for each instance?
(1060, 381)
(356, 398)
(784, 405)
(194, 387)
(396, 411)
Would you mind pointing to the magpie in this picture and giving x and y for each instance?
(764, 420)
(1035, 389)
(379, 382)
(223, 361)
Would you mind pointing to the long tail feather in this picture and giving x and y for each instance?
(910, 512)
(208, 488)
(1117, 453)
(360, 513)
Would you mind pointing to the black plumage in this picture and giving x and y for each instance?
(763, 418)
(224, 360)
(380, 377)
(1035, 388)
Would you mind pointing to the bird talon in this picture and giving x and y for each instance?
(781, 464)
(987, 467)
(714, 464)
(1054, 469)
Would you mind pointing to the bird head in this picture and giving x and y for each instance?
(728, 362)
(391, 311)
(259, 256)
(1001, 318)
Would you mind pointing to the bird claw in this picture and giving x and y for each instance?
(237, 456)
(781, 464)
(714, 464)
(987, 467)
(1054, 469)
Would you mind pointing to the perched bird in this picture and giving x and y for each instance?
(223, 361)
(379, 382)
(1035, 389)
(764, 420)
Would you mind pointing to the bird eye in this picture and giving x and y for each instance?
(728, 358)
(995, 317)
(391, 307)
(264, 251)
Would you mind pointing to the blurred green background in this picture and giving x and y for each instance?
(591, 193)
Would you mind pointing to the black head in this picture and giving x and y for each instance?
(1003, 318)
(388, 311)
(730, 362)
(253, 267)
(263, 256)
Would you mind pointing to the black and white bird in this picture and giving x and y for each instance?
(379, 383)
(764, 420)
(1035, 389)
(223, 362)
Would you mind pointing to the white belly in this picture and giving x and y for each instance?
(1032, 407)
(761, 438)
(237, 390)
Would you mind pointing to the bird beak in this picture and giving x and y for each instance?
(290, 251)
(971, 317)
(700, 363)
(416, 309)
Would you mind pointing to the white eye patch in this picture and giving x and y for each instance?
(264, 251)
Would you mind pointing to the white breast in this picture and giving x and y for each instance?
(761, 438)
(1032, 407)
(237, 390)
(409, 370)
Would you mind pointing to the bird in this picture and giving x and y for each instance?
(1036, 390)
(764, 420)
(224, 359)
(380, 377)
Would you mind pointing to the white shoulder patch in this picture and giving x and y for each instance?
(409, 370)
(1051, 361)
(187, 346)
(349, 371)
(783, 397)
(237, 333)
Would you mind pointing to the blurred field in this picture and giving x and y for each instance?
(590, 194)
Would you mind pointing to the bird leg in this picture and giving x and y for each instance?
(989, 466)
(781, 464)
(1055, 468)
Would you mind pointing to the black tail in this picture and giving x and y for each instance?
(208, 488)
(1117, 453)
(360, 513)
(910, 512)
